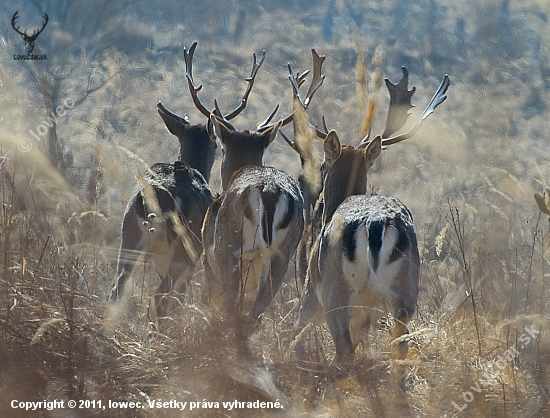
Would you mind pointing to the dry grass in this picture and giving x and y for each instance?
(469, 177)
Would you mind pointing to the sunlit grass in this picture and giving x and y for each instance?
(469, 177)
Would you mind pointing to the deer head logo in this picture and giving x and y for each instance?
(29, 39)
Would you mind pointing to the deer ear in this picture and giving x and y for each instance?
(373, 151)
(332, 147)
(271, 133)
(175, 124)
(220, 128)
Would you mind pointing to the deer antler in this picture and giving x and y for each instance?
(255, 66)
(400, 103)
(316, 82)
(188, 58)
(438, 98)
(301, 79)
(297, 81)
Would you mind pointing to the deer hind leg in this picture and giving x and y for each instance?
(270, 283)
(400, 348)
(174, 281)
(337, 306)
(162, 253)
(133, 241)
(162, 298)
(338, 325)
(213, 293)
(311, 311)
(226, 282)
(165, 297)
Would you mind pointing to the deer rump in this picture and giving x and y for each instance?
(367, 256)
(178, 189)
(183, 197)
(182, 190)
(258, 226)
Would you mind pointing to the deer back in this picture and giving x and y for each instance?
(180, 189)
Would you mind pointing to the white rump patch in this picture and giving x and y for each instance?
(361, 271)
(383, 279)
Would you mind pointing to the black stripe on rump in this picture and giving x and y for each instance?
(401, 244)
(288, 215)
(349, 241)
(269, 200)
(376, 230)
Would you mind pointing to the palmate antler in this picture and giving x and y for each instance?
(29, 40)
(400, 103)
(398, 112)
(438, 98)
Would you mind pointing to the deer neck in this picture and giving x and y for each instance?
(241, 151)
(198, 162)
(347, 176)
(198, 151)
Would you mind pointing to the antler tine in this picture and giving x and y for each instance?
(302, 77)
(217, 111)
(289, 142)
(188, 58)
(400, 103)
(255, 66)
(438, 98)
(296, 84)
(324, 132)
(318, 78)
(296, 81)
(265, 124)
(324, 123)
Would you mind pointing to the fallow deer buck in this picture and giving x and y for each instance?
(164, 217)
(366, 252)
(308, 180)
(252, 229)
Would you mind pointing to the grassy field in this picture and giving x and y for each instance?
(480, 344)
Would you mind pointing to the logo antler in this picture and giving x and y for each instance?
(29, 40)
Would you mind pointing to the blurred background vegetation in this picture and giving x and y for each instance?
(468, 176)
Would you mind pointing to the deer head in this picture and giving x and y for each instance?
(28, 39)
(346, 166)
(197, 142)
